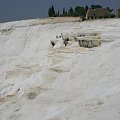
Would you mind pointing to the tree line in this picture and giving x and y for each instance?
(77, 11)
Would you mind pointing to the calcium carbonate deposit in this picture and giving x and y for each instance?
(42, 81)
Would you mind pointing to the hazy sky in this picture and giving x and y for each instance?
(24, 9)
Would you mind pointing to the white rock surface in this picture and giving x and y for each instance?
(38, 82)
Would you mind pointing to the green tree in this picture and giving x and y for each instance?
(58, 14)
(51, 12)
(63, 11)
(110, 10)
(70, 12)
(79, 11)
(66, 13)
(96, 6)
(86, 8)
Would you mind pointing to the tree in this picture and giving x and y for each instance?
(66, 13)
(70, 11)
(77, 8)
(79, 11)
(86, 8)
(51, 12)
(96, 6)
(110, 10)
(58, 14)
(63, 11)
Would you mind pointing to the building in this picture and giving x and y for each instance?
(118, 13)
(97, 13)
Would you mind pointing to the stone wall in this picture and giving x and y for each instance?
(89, 43)
(118, 13)
(97, 13)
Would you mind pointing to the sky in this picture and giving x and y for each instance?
(11, 10)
